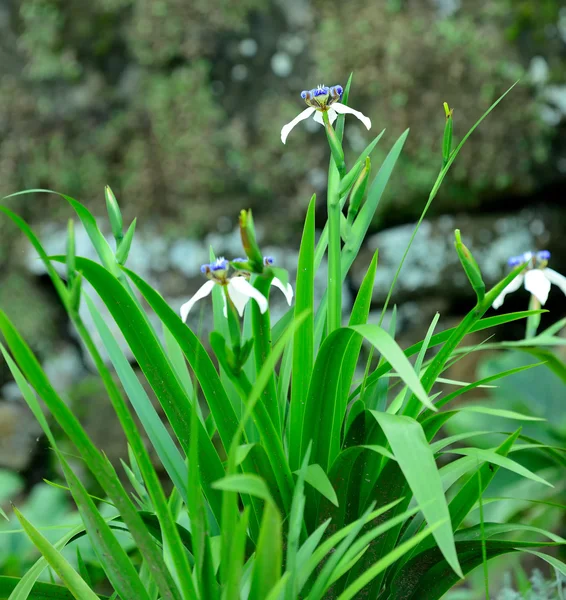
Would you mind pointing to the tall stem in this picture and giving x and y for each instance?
(334, 314)
(533, 321)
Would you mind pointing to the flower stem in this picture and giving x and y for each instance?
(261, 327)
(334, 313)
(334, 250)
(533, 321)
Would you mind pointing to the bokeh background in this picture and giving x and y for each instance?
(178, 105)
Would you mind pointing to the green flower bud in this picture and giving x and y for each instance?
(125, 244)
(114, 214)
(470, 265)
(358, 191)
(249, 241)
(447, 140)
(335, 145)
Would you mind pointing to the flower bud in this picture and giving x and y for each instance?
(470, 266)
(358, 191)
(249, 242)
(114, 215)
(335, 145)
(447, 140)
(125, 244)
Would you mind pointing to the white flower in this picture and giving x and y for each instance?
(323, 99)
(237, 287)
(239, 290)
(537, 278)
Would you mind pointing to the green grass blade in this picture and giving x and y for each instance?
(91, 227)
(315, 476)
(38, 591)
(433, 193)
(99, 466)
(362, 223)
(177, 359)
(551, 560)
(74, 582)
(207, 376)
(114, 560)
(385, 562)
(490, 456)
(160, 439)
(235, 560)
(303, 340)
(410, 447)
(204, 573)
(310, 558)
(245, 484)
(269, 554)
(486, 380)
(156, 367)
(442, 337)
(296, 516)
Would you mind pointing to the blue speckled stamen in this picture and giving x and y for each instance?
(268, 261)
(543, 255)
(220, 264)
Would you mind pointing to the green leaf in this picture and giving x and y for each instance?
(156, 367)
(160, 439)
(440, 338)
(491, 456)
(493, 529)
(499, 412)
(327, 398)
(385, 562)
(113, 558)
(114, 214)
(39, 591)
(244, 484)
(391, 351)
(551, 560)
(313, 552)
(362, 223)
(435, 575)
(315, 476)
(269, 554)
(236, 557)
(201, 364)
(89, 223)
(123, 250)
(98, 465)
(295, 524)
(482, 382)
(416, 460)
(204, 572)
(303, 340)
(74, 582)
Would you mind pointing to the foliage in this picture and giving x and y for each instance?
(288, 478)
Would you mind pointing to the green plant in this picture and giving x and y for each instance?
(279, 412)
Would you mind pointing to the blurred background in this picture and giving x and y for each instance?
(178, 106)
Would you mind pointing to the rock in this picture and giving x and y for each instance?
(19, 435)
(432, 268)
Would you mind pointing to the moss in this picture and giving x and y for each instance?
(413, 61)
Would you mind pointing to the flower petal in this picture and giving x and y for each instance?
(201, 293)
(332, 116)
(537, 283)
(287, 290)
(346, 110)
(300, 117)
(240, 291)
(555, 278)
(511, 287)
